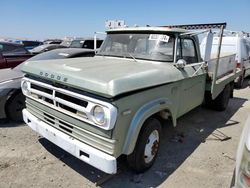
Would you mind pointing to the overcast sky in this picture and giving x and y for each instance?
(60, 18)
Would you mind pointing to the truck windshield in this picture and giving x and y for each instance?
(156, 47)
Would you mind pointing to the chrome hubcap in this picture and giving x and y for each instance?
(151, 147)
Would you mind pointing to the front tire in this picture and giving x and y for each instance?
(147, 146)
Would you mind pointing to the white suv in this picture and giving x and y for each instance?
(233, 43)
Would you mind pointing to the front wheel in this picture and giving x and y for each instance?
(147, 146)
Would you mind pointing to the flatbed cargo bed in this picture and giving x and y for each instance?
(226, 73)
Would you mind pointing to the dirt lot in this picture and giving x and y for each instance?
(192, 155)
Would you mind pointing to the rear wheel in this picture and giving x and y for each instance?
(220, 103)
(14, 107)
(147, 146)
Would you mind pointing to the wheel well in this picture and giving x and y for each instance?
(11, 95)
(138, 122)
(162, 116)
(14, 105)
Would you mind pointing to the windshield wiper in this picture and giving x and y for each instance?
(125, 55)
(102, 54)
(132, 56)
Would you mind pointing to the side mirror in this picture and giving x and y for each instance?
(181, 63)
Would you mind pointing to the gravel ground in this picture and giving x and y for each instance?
(191, 155)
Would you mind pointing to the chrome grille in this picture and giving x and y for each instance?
(59, 100)
(67, 102)
(76, 105)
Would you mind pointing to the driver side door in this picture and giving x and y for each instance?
(193, 84)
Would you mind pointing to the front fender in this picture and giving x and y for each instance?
(140, 117)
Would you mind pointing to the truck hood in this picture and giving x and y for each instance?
(106, 76)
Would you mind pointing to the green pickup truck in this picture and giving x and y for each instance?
(99, 108)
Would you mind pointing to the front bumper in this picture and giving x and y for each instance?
(84, 152)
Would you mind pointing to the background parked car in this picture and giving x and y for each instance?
(69, 43)
(66, 42)
(82, 43)
(12, 100)
(29, 44)
(85, 43)
(52, 41)
(11, 97)
(242, 169)
(63, 54)
(234, 43)
(45, 48)
(12, 54)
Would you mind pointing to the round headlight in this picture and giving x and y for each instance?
(99, 114)
(25, 87)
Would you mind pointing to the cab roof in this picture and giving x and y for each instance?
(147, 29)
